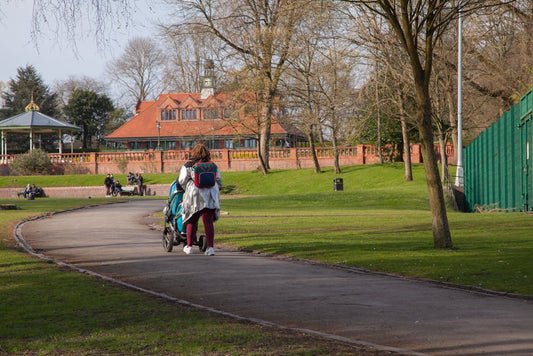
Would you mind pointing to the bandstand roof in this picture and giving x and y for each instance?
(36, 122)
(33, 122)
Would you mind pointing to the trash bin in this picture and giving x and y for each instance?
(338, 184)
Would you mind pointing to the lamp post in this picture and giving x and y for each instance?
(459, 175)
(158, 135)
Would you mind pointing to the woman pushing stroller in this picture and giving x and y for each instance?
(202, 182)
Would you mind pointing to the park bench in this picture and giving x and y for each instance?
(129, 190)
(38, 193)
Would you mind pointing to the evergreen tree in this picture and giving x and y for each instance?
(20, 91)
(18, 95)
(90, 111)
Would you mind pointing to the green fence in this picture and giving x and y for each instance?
(498, 164)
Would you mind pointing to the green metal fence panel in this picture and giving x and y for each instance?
(498, 164)
(526, 138)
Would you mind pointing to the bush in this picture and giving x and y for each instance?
(5, 170)
(31, 163)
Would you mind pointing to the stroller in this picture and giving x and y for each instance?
(175, 232)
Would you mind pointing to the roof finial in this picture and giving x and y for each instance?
(32, 106)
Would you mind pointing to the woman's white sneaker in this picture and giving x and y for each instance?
(187, 250)
(210, 252)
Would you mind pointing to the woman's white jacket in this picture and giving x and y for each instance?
(196, 199)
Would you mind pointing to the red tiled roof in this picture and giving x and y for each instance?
(144, 124)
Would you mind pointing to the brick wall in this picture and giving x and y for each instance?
(227, 160)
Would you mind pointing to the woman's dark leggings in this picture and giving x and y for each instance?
(208, 216)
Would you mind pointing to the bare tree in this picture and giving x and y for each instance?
(65, 88)
(70, 18)
(388, 93)
(417, 26)
(335, 87)
(138, 69)
(185, 55)
(319, 76)
(301, 94)
(499, 45)
(497, 62)
(261, 33)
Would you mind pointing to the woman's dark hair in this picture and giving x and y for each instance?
(200, 153)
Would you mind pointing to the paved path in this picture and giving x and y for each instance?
(402, 314)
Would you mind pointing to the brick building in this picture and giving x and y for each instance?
(177, 121)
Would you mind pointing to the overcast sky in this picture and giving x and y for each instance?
(54, 58)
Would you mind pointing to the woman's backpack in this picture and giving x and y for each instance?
(205, 174)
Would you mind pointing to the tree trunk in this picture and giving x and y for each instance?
(311, 138)
(84, 137)
(380, 149)
(441, 231)
(264, 140)
(336, 154)
(320, 132)
(406, 151)
(262, 166)
(405, 139)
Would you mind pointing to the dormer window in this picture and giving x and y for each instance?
(211, 114)
(188, 114)
(168, 115)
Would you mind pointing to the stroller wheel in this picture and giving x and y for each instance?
(168, 240)
(202, 243)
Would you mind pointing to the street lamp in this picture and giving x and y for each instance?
(459, 175)
(158, 135)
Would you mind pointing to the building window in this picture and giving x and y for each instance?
(228, 144)
(188, 114)
(186, 144)
(168, 145)
(227, 113)
(211, 114)
(168, 115)
(212, 144)
(136, 145)
(252, 143)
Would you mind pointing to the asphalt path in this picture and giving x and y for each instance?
(403, 315)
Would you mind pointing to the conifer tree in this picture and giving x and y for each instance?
(27, 83)
(18, 95)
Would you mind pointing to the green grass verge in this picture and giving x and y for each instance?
(48, 310)
(379, 222)
(493, 250)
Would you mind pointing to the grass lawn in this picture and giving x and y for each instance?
(378, 222)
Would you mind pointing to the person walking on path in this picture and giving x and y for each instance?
(108, 182)
(202, 182)
(139, 179)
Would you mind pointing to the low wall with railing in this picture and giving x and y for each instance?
(227, 160)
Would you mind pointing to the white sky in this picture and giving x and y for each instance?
(55, 58)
